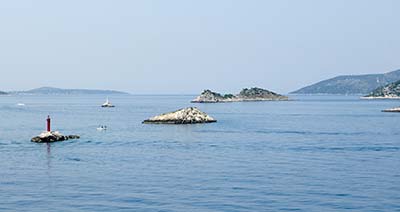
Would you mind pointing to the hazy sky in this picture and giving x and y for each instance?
(185, 46)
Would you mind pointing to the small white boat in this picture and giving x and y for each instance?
(107, 104)
(101, 128)
(20, 104)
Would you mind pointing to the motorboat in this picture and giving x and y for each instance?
(107, 104)
(101, 128)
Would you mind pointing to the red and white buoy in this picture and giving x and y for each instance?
(48, 124)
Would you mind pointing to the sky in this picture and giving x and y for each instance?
(184, 46)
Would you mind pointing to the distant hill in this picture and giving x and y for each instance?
(351, 84)
(2, 93)
(60, 91)
(391, 90)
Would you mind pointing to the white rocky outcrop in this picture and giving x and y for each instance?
(190, 115)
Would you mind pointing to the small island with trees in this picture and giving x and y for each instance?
(247, 94)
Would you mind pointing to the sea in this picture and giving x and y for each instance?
(313, 153)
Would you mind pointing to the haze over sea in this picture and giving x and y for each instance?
(317, 153)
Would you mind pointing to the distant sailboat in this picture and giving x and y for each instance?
(107, 104)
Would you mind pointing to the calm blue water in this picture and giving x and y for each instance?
(313, 154)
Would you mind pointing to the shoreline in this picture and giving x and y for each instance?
(380, 97)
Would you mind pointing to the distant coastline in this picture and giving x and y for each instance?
(350, 84)
(61, 91)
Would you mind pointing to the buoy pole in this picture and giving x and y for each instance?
(48, 124)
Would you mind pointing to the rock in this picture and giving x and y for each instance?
(53, 136)
(396, 109)
(74, 137)
(190, 115)
(252, 94)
